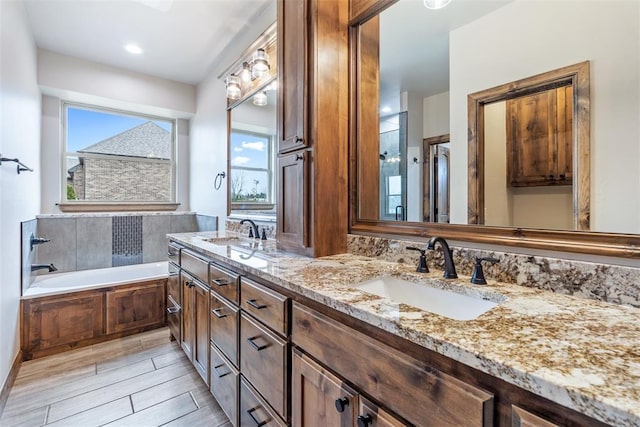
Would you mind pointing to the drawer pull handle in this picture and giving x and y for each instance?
(258, 423)
(220, 282)
(218, 373)
(364, 420)
(190, 284)
(254, 304)
(173, 310)
(173, 274)
(256, 346)
(341, 404)
(217, 313)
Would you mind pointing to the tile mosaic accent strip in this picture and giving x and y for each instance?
(126, 240)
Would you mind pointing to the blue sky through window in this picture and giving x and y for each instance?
(87, 127)
(249, 150)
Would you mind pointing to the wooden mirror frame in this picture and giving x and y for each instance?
(593, 243)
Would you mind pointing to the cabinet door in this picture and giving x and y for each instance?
(540, 138)
(371, 415)
(61, 322)
(135, 307)
(201, 319)
(292, 199)
(319, 398)
(188, 313)
(292, 66)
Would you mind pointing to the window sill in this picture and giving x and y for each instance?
(117, 207)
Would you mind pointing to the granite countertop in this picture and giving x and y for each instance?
(580, 353)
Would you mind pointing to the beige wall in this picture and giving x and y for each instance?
(526, 38)
(436, 115)
(19, 137)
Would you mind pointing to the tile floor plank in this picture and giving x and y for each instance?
(159, 414)
(98, 416)
(127, 359)
(167, 390)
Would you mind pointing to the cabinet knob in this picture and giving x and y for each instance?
(562, 176)
(299, 138)
(299, 157)
(341, 404)
(364, 420)
(551, 176)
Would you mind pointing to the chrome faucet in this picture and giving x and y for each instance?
(253, 231)
(449, 267)
(51, 267)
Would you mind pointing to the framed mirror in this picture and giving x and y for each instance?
(450, 69)
(251, 85)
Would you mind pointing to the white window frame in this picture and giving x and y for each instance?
(114, 205)
(270, 204)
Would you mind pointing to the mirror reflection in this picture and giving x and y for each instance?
(428, 62)
(252, 153)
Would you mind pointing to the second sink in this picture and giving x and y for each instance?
(439, 301)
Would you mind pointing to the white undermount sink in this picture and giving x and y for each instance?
(439, 301)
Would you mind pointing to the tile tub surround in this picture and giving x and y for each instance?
(603, 282)
(84, 241)
(582, 354)
(27, 228)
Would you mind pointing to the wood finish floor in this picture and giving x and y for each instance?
(137, 381)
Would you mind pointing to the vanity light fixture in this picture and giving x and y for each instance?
(436, 4)
(259, 64)
(245, 73)
(260, 99)
(133, 48)
(233, 87)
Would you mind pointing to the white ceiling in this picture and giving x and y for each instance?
(183, 43)
(414, 45)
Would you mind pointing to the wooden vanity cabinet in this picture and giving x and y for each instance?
(224, 326)
(188, 331)
(225, 384)
(174, 301)
(523, 418)
(410, 388)
(254, 411)
(292, 215)
(201, 333)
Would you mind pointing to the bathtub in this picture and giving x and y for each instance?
(58, 283)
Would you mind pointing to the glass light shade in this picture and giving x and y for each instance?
(260, 99)
(233, 87)
(259, 64)
(436, 4)
(245, 73)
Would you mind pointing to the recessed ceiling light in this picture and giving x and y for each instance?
(385, 110)
(133, 48)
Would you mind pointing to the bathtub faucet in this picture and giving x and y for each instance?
(37, 240)
(51, 267)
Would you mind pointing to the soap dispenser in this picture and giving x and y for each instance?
(478, 275)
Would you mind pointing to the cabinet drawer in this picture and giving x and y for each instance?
(173, 252)
(224, 327)
(174, 314)
(372, 415)
(522, 418)
(224, 282)
(263, 361)
(409, 387)
(264, 304)
(225, 385)
(196, 266)
(254, 411)
(173, 283)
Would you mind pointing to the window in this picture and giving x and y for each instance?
(251, 170)
(116, 156)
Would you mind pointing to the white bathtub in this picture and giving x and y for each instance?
(57, 283)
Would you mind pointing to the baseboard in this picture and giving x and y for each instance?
(13, 373)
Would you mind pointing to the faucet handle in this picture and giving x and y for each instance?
(422, 263)
(250, 231)
(478, 274)
(264, 234)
